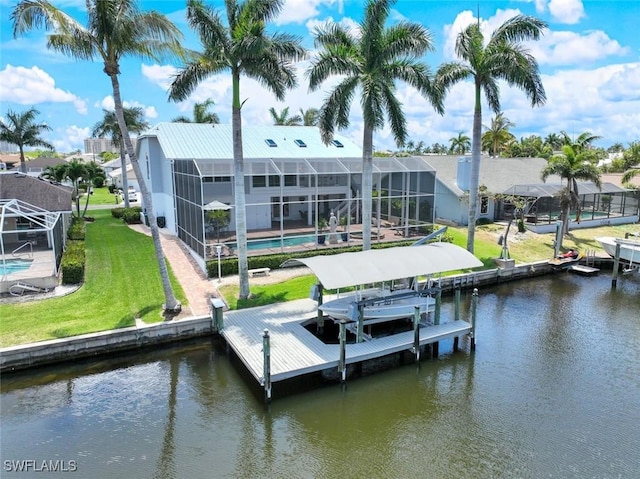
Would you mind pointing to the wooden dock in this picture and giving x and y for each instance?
(295, 351)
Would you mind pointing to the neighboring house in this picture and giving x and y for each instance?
(116, 176)
(292, 180)
(502, 178)
(35, 217)
(10, 161)
(37, 166)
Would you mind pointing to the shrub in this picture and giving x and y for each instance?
(117, 212)
(521, 227)
(131, 216)
(483, 221)
(112, 189)
(98, 182)
(73, 261)
(77, 230)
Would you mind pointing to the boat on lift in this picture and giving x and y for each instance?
(379, 304)
(629, 249)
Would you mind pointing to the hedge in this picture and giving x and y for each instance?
(77, 230)
(229, 266)
(73, 261)
(129, 215)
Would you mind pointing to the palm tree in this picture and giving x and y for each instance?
(583, 142)
(243, 48)
(75, 171)
(108, 127)
(93, 172)
(502, 58)
(309, 116)
(57, 173)
(21, 129)
(200, 114)
(631, 158)
(497, 135)
(460, 144)
(371, 60)
(572, 166)
(115, 29)
(283, 117)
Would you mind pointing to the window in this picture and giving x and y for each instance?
(207, 179)
(337, 144)
(290, 180)
(274, 180)
(222, 179)
(259, 181)
(300, 143)
(484, 205)
(271, 143)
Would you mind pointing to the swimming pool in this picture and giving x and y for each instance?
(266, 243)
(14, 265)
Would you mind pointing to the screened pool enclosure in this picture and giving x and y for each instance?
(290, 202)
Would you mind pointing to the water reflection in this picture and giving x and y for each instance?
(552, 390)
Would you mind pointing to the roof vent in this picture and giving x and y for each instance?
(300, 143)
(337, 143)
(271, 143)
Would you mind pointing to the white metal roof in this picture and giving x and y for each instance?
(374, 266)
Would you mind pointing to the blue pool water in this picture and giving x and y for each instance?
(14, 265)
(276, 242)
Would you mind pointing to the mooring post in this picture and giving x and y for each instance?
(474, 308)
(616, 267)
(320, 321)
(436, 320)
(416, 333)
(266, 351)
(456, 316)
(360, 323)
(342, 365)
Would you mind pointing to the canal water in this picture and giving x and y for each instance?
(552, 390)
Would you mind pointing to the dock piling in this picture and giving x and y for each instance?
(266, 350)
(616, 267)
(436, 320)
(342, 365)
(474, 308)
(416, 333)
(456, 316)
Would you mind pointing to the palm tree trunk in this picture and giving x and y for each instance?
(23, 164)
(367, 187)
(125, 180)
(474, 179)
(238, 177)
(171, 304)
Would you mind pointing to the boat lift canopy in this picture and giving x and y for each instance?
(375, 266)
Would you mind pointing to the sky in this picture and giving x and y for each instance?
(589, 59)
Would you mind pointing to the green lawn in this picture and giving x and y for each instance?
(100, 196)
(122, 282)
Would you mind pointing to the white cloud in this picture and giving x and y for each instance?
(71, 138)
(570, 48)
(108, 103)
(348, 23)
(31, 86)
(297, 11)
(567, 11)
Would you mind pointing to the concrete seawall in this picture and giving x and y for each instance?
(107, 342)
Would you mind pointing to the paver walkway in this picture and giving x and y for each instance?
(195, 284)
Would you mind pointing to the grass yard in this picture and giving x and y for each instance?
(100, 196)
(122, 282)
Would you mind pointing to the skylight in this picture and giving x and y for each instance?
(300, 143)
(337, 143)
(271, 143)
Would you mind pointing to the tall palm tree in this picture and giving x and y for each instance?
(108, 127)
(243, 48)
(631, 158)
(497, 136)
(309, 116)
(572, 166)
(554, 141)
(583, 142)
(21, 129)
(370, 60)
(200, 114)
(115, 29)
(75, 172)
(502, 58)
(283, 117)
(460, 144)
(57, 173)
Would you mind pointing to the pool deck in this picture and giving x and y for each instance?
(295, 351)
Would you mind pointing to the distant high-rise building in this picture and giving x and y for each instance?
(6, 147)
(98, 145)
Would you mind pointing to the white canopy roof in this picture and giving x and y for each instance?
(374, 266)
